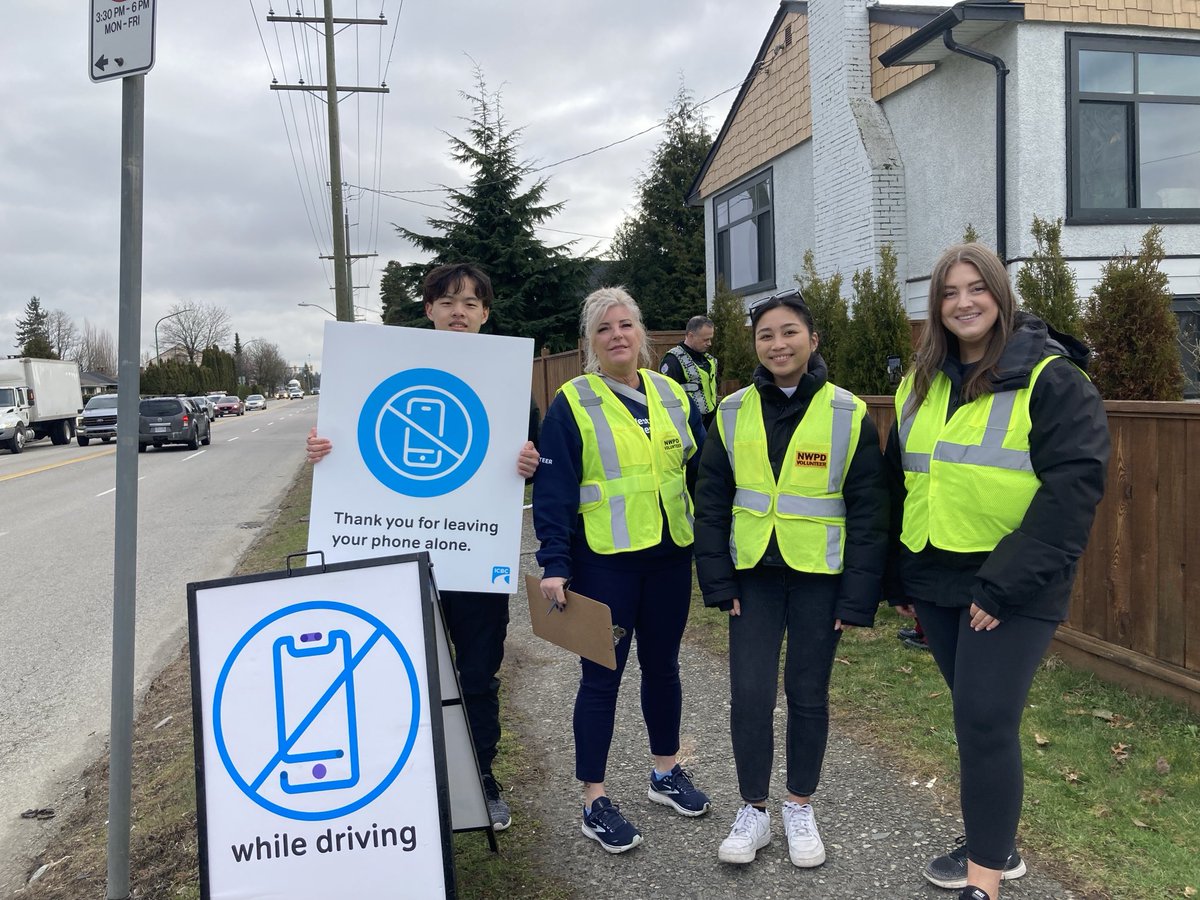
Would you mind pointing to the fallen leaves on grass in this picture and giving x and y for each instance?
(907, 670)
(1161, 766)
(1189, 891)
(1139, 823)
(844, 661)
(1041, 740)
(1071, 776)
(1104, 714)
(1120, 752)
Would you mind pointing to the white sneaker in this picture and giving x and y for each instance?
(804, 841)
(750, 833)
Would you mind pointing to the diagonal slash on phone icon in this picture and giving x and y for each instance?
(321, 753)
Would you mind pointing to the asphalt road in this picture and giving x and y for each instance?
(198, 512)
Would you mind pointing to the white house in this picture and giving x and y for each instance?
(862, 124)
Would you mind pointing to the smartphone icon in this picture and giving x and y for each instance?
(318, 734)
(429, 415)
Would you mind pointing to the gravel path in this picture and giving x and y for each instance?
(878, 829)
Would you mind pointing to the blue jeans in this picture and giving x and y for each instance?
(776, 600)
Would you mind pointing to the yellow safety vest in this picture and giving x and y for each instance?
(701, 383)
(969, 480)
(804, 507)
(629, 481)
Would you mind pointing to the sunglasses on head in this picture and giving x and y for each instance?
(791, 297)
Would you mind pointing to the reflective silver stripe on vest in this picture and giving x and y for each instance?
(817, 507)
(729, 413)
(675, 410)
(755, 501)
(915, 462)
(990, 451)
(833, 547)
(843, 421)
(607, 446)
(589, 493)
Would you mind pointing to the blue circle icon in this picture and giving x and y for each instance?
(315, 724)
(423, 432)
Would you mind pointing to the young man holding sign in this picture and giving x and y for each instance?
(459, 298)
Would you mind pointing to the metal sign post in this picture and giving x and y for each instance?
(122, 46)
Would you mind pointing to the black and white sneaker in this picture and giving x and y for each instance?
(677, 791)
(970, 892)
(950, 869)
(605, 825)
(497, 808)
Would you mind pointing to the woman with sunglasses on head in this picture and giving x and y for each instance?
(791, 537)
(613, 513)
(998, 460)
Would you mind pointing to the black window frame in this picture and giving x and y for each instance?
(1076, 215)
(763, 284)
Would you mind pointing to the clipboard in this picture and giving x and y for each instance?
(584, 627)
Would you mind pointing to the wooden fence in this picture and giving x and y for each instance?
(1135, 610)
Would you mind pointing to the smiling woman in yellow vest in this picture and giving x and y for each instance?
(613, 513)
(791, 538)
(998, 460)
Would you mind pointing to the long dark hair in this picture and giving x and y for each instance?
(934, 344)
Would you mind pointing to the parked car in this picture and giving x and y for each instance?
(98, 420)
(172, 420)
(256, 401)
(229, 405)
(206, 406)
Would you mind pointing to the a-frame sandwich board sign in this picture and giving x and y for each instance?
(320, 753)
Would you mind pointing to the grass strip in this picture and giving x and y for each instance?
(164, 849)
(1112, 779)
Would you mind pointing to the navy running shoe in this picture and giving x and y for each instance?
(605, 825)
(676, 790)
(950, 869)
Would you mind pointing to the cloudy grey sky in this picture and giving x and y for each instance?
(226, 218)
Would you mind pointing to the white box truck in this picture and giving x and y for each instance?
(38, 398)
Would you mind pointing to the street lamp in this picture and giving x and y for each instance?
(178, 312)
(318, 306)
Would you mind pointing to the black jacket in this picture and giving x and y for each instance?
(1031, 570)
(865, 492)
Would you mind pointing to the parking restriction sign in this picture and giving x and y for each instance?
(122, 38)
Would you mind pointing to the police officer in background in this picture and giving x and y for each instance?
(690, 363)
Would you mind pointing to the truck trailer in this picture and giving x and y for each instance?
(39, 398)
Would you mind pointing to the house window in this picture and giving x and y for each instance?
(746, 236)
(1134, 129)
(1187, 311)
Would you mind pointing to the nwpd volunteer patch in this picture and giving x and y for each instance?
(812, 459)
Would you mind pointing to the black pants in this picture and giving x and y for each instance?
(775, 600)
(477, 624)
(989, 674)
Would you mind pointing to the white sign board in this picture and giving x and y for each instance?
(321, 770)
(426, 428)
(122, 38)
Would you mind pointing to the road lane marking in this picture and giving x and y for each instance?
(112, 489)
(57, 465)
(253, 430)
(230, 440)
(194, 455)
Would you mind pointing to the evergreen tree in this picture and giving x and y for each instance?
(732, 343)
(33, 330)
(398, 304)
(491, 222)
(1132, 329)
(970, 236)
(659, 250)
(830, 313)
(239, 357)
(1046, 283)
(878, 330)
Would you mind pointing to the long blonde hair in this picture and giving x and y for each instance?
(934, 344)
(595, 306)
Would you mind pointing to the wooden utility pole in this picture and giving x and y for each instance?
(343, 289)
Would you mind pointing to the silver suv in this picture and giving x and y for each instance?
(98, 420)
(172, 420)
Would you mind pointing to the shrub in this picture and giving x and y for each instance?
(1130, 325)
(732, 345)
(879, 329)
(1046, 283)
(830, 313)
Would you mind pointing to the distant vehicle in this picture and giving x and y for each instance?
(295, 394)
(214, 397)
(172, 420)
(206, 406)
(316, 391)
(41, 398)
(256, 401)
(293, 385)
(229, 405)
(98, 421)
